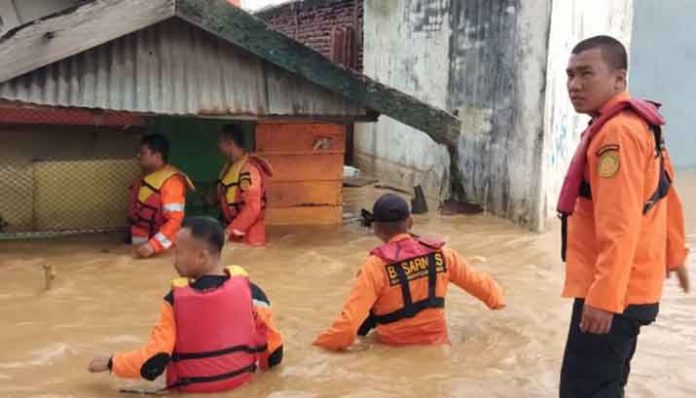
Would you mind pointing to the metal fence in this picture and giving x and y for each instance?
(63, 196)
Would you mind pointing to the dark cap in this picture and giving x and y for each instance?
(389, 208)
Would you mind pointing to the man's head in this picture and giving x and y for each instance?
(596, 73)
(390, 217)
(198, 246)
(232, 142)
(153, 153)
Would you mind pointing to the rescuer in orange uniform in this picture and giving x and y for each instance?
(401, 287)
(241, 189)
(157, 200)
(215, 326)
(623, 223)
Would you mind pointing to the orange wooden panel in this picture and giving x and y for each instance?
(300, 137)
(319, 167)
(310, 215)
(289, 194)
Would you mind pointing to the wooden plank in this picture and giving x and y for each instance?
(252, 34)
(314, 215)
(319, 167)
(302, 193)
(75, 30)
(287, 137)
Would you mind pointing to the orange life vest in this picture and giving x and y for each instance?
(230, 185)
(145, 204)
(218, 340)
(408, 260)
(575, 185)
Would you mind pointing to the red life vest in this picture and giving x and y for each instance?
(231, 180)
(406, 260)
(218, 340)
(575, 185)
(145, 204)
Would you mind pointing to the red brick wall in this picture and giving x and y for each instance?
(331, 27)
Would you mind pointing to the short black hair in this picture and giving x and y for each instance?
(233, 132)
(613, 51)
(157, 144)
(206, 229)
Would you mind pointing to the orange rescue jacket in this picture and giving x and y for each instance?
(388, 282)
(242, 197)
(617, 251)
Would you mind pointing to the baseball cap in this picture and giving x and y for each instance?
(390, 207)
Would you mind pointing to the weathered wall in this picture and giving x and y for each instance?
(484, 60)
(406, 46)
(487, 61)
(332, 27)
(572, 21)
(498, 61)
(662, 61)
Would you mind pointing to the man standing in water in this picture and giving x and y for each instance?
(241, 189)
(400, 289)
(623, 224)
(157, 199)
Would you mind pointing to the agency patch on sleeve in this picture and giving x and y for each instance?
(608, 164)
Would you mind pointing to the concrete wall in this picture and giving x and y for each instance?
(501, 66)
(662, 61)
(484, 60)
(406, 46)
(572, 21)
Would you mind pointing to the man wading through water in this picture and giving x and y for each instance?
(623, 224)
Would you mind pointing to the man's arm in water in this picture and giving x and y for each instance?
(366, 290)
(480, 285)
(151, 360)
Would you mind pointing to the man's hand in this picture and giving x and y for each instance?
(99, 364)
(682, 277)
(595, 321)
(235, 235)
(145, 251)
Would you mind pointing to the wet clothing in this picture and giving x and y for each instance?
(156, 207)
(598, 366)
(151, 360)
(242, 198)
(378, 291)
(617, 255)
(621, 242)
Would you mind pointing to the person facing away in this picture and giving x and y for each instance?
(241, 188)
(622, 220)
(157, 199)
(402, 285)
(215, 326)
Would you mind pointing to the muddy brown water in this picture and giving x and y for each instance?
(103, 301)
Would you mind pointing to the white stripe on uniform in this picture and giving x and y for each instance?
(166, 243)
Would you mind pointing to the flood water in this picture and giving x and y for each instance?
(103, 301)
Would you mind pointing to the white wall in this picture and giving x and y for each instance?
(408, 51)
(662, 68)
(572, 21)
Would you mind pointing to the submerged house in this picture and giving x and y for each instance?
(79, 87)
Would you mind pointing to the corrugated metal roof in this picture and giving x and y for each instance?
(176, 68)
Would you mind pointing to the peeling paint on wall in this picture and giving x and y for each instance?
(486, 60)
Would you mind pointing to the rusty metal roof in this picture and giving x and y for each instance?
(130, 55)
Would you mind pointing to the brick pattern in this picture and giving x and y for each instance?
(331, 27)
